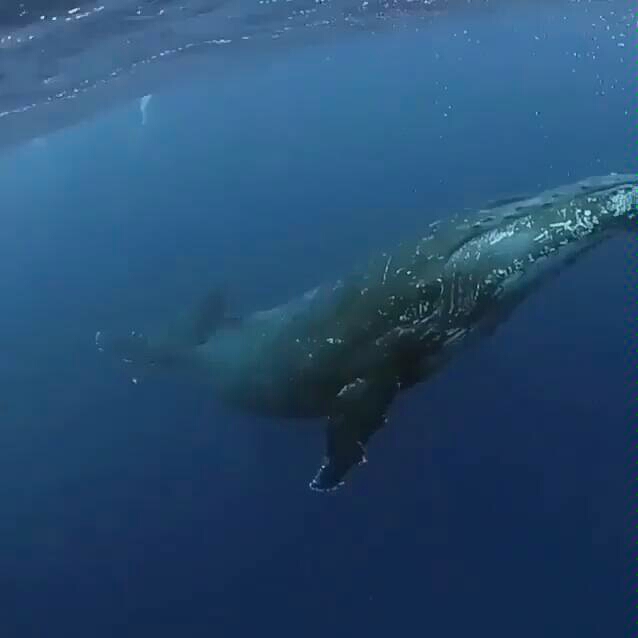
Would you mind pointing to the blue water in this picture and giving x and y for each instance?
(494, 503)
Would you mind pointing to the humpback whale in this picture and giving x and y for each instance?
(344, 351)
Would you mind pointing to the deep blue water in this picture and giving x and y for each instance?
(496, 501)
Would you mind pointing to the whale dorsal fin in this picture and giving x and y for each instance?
(210, 315)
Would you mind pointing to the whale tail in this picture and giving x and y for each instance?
(174, 343)
(132, 347)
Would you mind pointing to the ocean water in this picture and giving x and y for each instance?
(495, 502)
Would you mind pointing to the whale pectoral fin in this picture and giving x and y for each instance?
(343, 451)
(360, 411)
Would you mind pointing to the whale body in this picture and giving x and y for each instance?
(345, 350)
